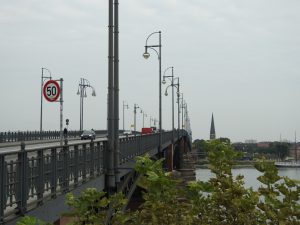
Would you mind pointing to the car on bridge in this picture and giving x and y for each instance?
(88, 134)
(127, 132)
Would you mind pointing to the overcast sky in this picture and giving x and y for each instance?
(237, 59)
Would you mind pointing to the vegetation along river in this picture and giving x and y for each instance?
(250, 175)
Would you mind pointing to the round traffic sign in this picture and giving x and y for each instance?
(51, 90)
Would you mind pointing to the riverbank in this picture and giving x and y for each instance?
(239, 164)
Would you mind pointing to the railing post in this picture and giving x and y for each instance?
(66, 168)
(99, 161)
(76, 165)
(84, 163)
(40, 183)
(105, 164)
(92, 163)
(2, 188)
(54, 172)
(22, 176)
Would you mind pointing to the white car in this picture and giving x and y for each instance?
(127, 132)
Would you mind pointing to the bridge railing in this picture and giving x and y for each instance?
(33, 135)
(18, 136)
(30, 177)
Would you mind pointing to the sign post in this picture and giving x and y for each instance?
(61, 112)
(52, 91)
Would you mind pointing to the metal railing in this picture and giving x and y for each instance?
(18, 136)
(30, 177)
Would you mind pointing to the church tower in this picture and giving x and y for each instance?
(212, 128)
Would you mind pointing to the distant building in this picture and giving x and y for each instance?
(263, 144)
(250, 141)
(212, 128)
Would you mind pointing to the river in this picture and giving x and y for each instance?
(250, 175)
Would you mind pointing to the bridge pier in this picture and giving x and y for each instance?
(169, 157)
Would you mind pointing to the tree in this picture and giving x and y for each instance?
(281, 150)
(199, 145)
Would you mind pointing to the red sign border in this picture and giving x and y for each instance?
(58, 92)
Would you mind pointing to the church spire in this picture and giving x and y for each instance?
(212, 128)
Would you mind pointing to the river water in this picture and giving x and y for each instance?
(250, 175)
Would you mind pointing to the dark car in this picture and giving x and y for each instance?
(88, 134)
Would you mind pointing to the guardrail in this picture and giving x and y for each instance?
(30, 177)
(19, 136)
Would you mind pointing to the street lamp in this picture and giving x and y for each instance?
(146, 56)
(183, 107)
(181, 99)
(44, 78)
(144, 115)
(178, 102)
(125, 106)
(135, 108)
(172, 79)
(151, 119)
(83, 85)
(155, 121)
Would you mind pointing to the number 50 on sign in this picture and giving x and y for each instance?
(51, 90)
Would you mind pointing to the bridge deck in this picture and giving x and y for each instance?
(32, 177)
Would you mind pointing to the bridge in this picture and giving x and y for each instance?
(38, 172)
(34, 180)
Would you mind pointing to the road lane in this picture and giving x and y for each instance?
(56, 143)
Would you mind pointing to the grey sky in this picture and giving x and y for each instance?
(238, 59)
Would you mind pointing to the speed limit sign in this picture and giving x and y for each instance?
(51, 90)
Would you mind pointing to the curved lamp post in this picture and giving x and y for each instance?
(144, 115)
(125, 106)
(44, 78)
(146, 56)
(171, 79)
(181, 104)
(134, 110)
(83, 85)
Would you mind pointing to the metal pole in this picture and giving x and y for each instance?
(178, 96)
(172, 105)
(182, 112)
(41, 117)
(134, 111)
(185, 116)
(80, 103)
(61, 111)
(110, 181)
(123, 115)
(42, 84)
(160, 105)
(116, 92)
(82, 98)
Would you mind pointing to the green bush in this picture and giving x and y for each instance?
(221, 200)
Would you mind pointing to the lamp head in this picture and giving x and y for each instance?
(146, 55)
(93, 93)
(166, 93)
(163, 81)
(78, 92)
